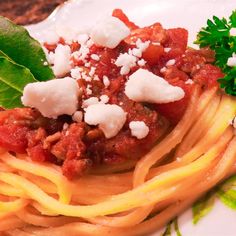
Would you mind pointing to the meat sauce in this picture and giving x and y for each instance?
(78, 147)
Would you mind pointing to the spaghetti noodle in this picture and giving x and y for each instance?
(133, 198)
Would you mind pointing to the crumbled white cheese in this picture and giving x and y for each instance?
(167, 49)
(189, 81)
(89, 91)
(144, 86)
(106, 81)
(142, 45)
(126, 62)
(92, 71)
(136, 52)
(109, 118)
(163, 69)
(232, 60)
(77, 116)
(95, 57)
(75, 73)
(232, 32)
(138, 129)
(62, 60)
(90, 101)
(52, 98)
(142, 62)
(170, 62)
(109, 32)
(104, 99)
(87, 64)
(51, 57)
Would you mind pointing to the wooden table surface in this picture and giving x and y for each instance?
(27, 11)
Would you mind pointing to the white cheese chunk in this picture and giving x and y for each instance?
(104, 99)
(109, 118)
(76, 73)
(90, 101)
(189, 81)
(109, 32)
(106, 81)
(52, 98)
(144, 86)
(126, 62)
(232, 60)
(138, 129)
(170, 62)
(62, 60)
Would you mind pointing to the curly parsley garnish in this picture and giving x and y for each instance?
(217, 35)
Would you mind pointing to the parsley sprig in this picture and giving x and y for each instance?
(216, 35)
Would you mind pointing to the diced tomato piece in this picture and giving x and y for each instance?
(13, 138)
(174, 111)
(39, 154)
(153, 53)
(118, 13)
(208, 76)
(50, 47)
(177, 40)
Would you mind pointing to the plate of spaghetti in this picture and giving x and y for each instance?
(118, 118)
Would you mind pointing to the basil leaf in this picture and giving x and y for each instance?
(203, 206)
(16, 42)
(13, 78)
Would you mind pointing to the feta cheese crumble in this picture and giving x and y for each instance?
(170, 62)
(52, 98)
(144, 86)
(106, 81)
(126, 62)
(109, 32)
(90, 101)
(62, 60)
(75, 73)
(138, 129)
(109, 118)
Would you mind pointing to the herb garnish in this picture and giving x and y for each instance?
(21, 62)
(216, 35)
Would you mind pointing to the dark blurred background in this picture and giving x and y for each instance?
(27, 11)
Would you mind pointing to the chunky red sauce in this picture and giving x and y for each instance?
(79, 147)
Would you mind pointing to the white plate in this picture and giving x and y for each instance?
(191, 14)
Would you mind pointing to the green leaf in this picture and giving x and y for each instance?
(227, 192)
(203, 206)
(176, 226)
(167, 231)
(216, 36)
(233, 19)
(16, 42)
(228, 198)
(13, 78)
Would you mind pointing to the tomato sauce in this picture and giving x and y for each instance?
(77, 147)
